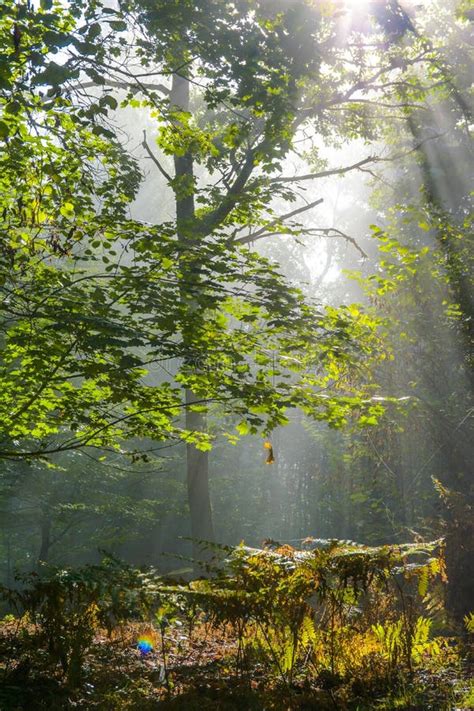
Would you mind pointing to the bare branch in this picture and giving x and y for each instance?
(127, 85)
(315, 231)
(326, 173)
(355, 166)
(155, 159)
(333, 232)
(263, 232)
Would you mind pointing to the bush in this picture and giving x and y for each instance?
(68, 607)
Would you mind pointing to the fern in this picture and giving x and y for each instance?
(308, 632)
(423, 580)
(390, 640)
(469, 622)
(288, 654)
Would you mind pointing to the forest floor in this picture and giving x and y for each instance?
(202, 672)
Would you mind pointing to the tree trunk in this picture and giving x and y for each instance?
(197, 475)
(197, 462)
(45, 528)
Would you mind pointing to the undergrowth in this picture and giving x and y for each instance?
(334, 626)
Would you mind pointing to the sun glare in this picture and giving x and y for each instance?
(356, 4)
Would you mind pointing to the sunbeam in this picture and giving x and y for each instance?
(236, 370)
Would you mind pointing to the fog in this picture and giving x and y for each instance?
(373, 484)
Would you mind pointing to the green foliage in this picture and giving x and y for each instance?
(292, 605)
(58, 371)
(469, 622)
(94, 303)
(83, 327)
(337, 613)
(70, 606)
(406, 644)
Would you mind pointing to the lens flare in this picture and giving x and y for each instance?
(145, 645)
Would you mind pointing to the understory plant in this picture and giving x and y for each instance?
(326, 610)
(334, 614)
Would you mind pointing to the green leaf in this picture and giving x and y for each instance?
(54, 75)
(118, 25)
(243, 428)
(13, 107)
(67, 209)
(109, 101)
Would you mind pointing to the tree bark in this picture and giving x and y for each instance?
(197, 476)
(197, 462)
(45, 528)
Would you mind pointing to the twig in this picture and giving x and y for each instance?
(127, 85)
(155, 159)
(263, 231)
(326, 173)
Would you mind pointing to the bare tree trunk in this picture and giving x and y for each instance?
(197, 462)
(197, 475)
(45, 528)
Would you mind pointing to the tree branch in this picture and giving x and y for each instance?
(217, 216)
(127, 85)
(316, 231)
(263, 232)
(155, 159)
(326, 173)
(333, 232)
(355, 166)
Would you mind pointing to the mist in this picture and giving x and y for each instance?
(238, 298)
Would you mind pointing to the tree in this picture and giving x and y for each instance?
(240, 82)
(92, 298)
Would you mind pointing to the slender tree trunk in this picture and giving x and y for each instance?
(276, 488)
(45, 528)
(197, 462)
(9, 559)
(197, 475)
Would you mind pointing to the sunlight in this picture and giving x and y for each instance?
(236, 381)
(356, 4)
(354, 15)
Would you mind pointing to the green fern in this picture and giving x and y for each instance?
(469, 622)
(308, 632)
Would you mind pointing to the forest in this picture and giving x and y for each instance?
(236, 364)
